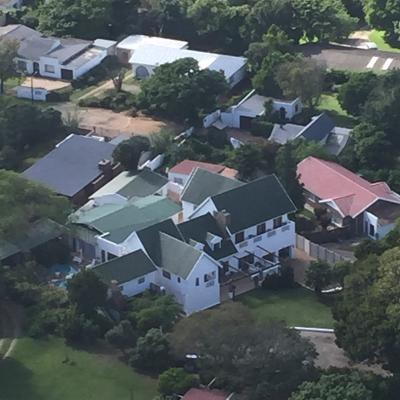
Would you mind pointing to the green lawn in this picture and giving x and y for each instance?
(330, 104)
(378, 37)
(36, 372)
(297, 307)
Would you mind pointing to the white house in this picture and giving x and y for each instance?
(249, 108)
(127, 47)
(66, 59)
(147, 58)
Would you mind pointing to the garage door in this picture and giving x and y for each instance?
(245, 122)
(67, 74)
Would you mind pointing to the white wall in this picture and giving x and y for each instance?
(153, 164)
(187, 209)
(237, 76)
(25, 92)
(133, 288)
(380, 230)
(180, 179)
(207, 206)
(54, 63)
(290, 108)
(211, 118)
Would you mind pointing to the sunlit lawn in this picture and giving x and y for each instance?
(378, 37)
(330, 104)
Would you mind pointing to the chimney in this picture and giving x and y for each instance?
(223, 219)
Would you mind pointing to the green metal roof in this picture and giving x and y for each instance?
(254, 203)
(127, 185)
(177, 257)
(38, 233)
(204, 227)
(126, 268)
(203, 184)
(120, 221)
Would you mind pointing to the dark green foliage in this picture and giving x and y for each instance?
(87, 291)
(8, 52)
(336, 77)
(286, 170)
(334, 386)
(284, 279)
(181, 91)
(151, 353)
(319, 276)
(247, 159)
(129, 151)
(261, 128)
(175, 381)
(238, 352)
(116, 101)
(122, 336)
(354, 93)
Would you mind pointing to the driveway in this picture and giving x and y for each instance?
(347, 58)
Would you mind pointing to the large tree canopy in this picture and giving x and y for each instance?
(180, 90)
(262, 360)
(23, 202)
(8, 52)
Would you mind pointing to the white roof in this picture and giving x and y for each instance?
(135, 41)
(157, 55)
(104, 44)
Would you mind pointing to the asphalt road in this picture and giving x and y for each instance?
(347, 58)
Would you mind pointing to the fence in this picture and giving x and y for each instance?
(319, 252)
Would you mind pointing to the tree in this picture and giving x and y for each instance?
(367, 314)
(180, 90)
(384, 15)
(8, 53)
(87, 291)
(246, 159)
(129, 151)
(175, 381)
(78, 329)
(23, 202)
(86, 19)
(323, 20)
(122, 336)
(369, 144)
(302, 78)
(334, 386)
(354, 93)
(244, 355)
(319, 276)
(151, 352)
(286, 170)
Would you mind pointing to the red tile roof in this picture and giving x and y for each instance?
(187, 166)
(349, 192)
(205, 394)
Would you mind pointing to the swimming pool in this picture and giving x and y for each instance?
(59, 273)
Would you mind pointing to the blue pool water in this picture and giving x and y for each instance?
(59, 272)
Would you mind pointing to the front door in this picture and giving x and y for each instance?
(36, 68)
(67, 74)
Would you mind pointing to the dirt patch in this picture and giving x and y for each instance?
(48, 84)
(330, 355)
(244, 136)
(360, 35)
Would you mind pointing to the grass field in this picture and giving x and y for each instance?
(297, 307)
(330, 104)
(36, 372)
(378, 37)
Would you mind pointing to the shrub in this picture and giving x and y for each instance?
(335, 77)
(175, 381)
(284, 279)
(217, 138)
(261, 128)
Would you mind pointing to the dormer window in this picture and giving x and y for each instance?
(213, 241)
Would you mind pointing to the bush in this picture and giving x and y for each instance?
(116, 101)
(59, 95)
(78, 329)
(175, 381)
(284, 279)
(217, 138)
(335, 77)
(261, 128)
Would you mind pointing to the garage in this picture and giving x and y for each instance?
(67, 74)
(245, 122)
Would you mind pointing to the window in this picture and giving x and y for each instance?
(141, 280)
(209, 277)
(166, 274)
(296, 107)
(179, 181)
(285, 252)
(239, 237)
(197, 281)
(261, 229)
(49, 68)
(103, 256)
(21, 66)
(217, 246)
(178, 279)
(277, 222)
(371, 230)
(110, 256)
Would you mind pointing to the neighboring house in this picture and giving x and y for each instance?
(321, 130)
(76, 168)
(102, 232)
(66, 59)
(132, 273)
(250, 107)
(146, 58)
(127, 47)
(202, 184)
(39, 233)
(6, 6)
(126, 186)
(256, 218)
(365, 208)
(181, 172)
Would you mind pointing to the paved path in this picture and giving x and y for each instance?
(10, 329)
